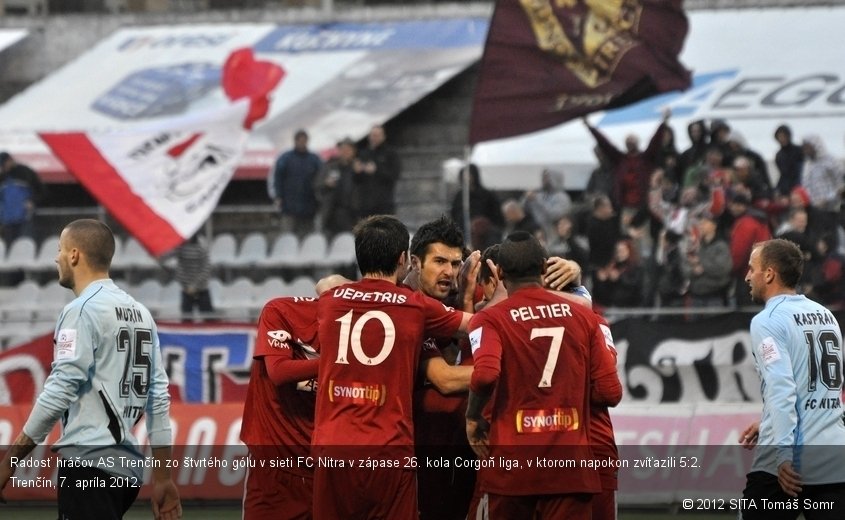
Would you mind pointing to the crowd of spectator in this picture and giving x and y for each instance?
(671, 228)
(332, 196)
(655, 227)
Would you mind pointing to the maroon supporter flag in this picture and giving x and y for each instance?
(549, 61)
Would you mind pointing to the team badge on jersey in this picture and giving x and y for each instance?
(278, 338)
(475, 339)
(65, 344)
(769, 351)
(608, 337)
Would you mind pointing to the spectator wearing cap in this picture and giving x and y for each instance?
(750, 226)
(709, 265)
(20, 192)
(336, 190)
(290, 185)
(759, 170)
(789, 160)
(549, 203)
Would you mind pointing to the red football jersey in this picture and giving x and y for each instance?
(601, 427)
(371, 333)
(280, 418)
(541, 352)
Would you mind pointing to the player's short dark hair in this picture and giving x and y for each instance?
(785, 257)
(94, 239)
(521, 257)
(442, 230)
(379, 242)
(484, 271)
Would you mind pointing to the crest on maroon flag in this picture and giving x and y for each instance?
(549, 61)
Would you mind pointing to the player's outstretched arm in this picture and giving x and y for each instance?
(165, 498)
(446, 378)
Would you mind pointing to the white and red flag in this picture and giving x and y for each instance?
(162, 181)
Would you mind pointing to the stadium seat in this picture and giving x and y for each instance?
(22, 303)
(302, 286)
(223, 250)
(15, 333)
(136, 257)
(148, 293)
(21, 254)
(283, 253)
(271, 287)
(341, 252)
(117, 262)
(46, 258)
(237, 299)
(312, 251)
(170, 301)
(253, 251)
(52, 298)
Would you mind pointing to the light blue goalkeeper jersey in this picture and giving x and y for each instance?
(106, 375)
(797, 347)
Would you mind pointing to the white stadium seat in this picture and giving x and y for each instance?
(46, 258)
(302, 286)
(283, 253)
(341, 252)
(21, 254)
(223, 250)
(253, 251)
(312, 251)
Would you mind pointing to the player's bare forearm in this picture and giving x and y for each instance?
(165, 497)
(748, 438)
(446, 378)
(477, 426)
(22, 447)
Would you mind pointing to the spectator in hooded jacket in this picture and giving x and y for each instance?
(694, 155)
(789, 160)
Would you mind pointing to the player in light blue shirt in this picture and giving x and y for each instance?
(800, 440)
(106, 375)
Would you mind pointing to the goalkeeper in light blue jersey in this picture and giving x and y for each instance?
(799, 460)
(106, 376)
